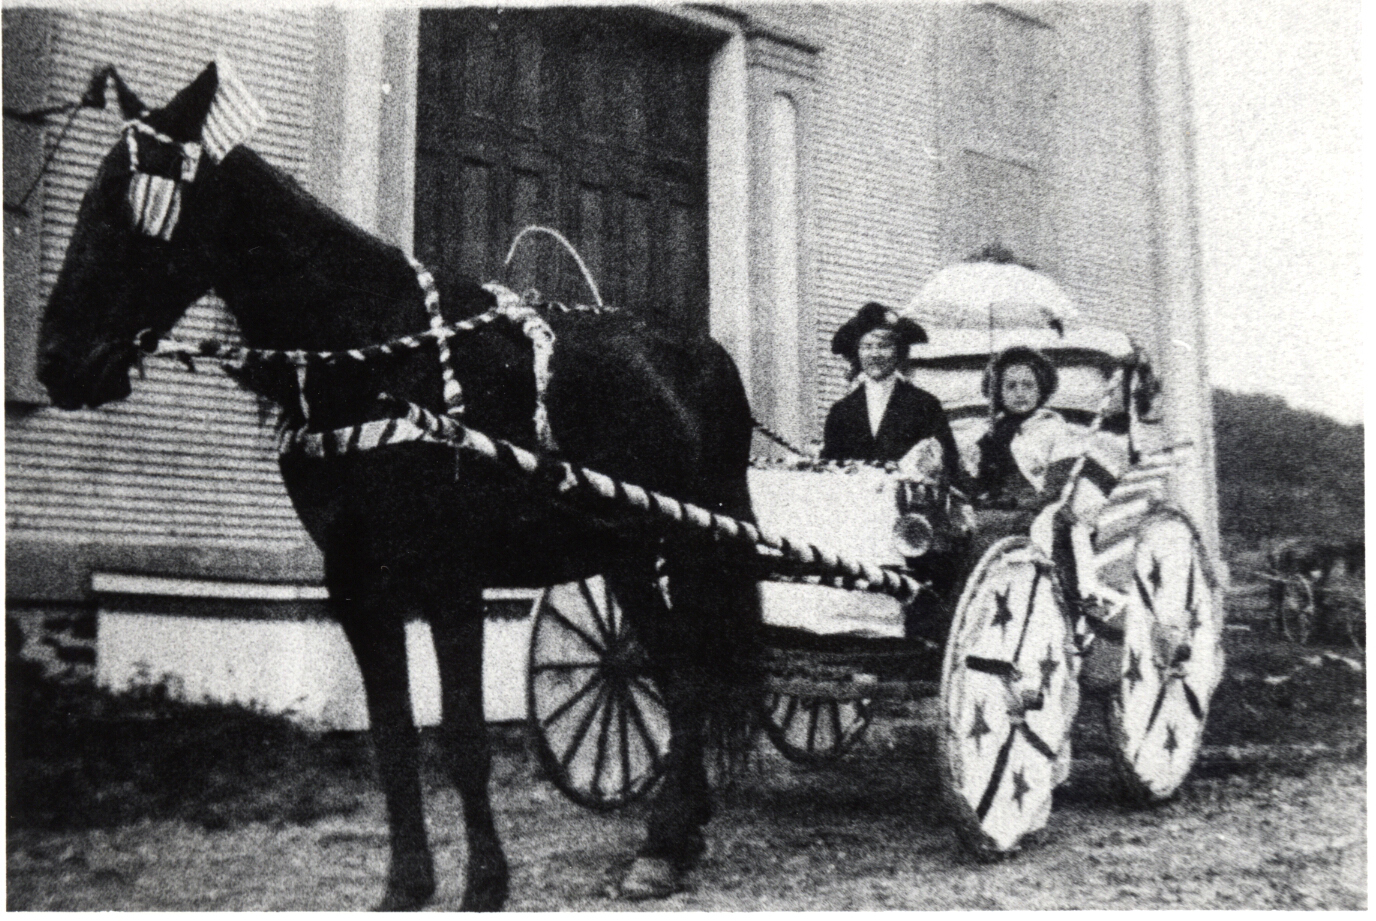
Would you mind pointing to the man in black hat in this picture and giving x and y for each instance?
(881, 420)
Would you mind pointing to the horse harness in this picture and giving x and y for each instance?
(517, 310)
(413, 423)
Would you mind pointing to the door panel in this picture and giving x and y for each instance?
(591, 122)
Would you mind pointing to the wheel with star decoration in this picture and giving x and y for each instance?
(600, 724)
(1172, 658)
(1009, 693)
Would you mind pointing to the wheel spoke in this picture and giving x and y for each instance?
(599, 616)
(578, 630)
(1027, 617)
(1000, 765)
(1155, 712)
(649, 688)
(812, 712)
(835, 708)
(993, 667)
(564, 666)
(604, 729)
(624, 721)
(572, 701)
(1192, 699)
(1147, 600)
(1037, 742)
(790, 712)
(581, 732)
(1189, 587)
(633, 709)
(612, 610)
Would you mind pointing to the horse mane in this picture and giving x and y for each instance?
(293, 255)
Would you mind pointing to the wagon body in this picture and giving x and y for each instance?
(1138, 626)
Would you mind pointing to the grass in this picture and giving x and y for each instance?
(80, 756)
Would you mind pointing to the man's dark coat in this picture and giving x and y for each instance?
(912, 415)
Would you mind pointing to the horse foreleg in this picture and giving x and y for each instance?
(378, 637)
(458, 634)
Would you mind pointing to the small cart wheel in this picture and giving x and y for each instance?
(1354, 620)
(600, 723)
(1345, 604)
(1172, 659)
(814, 730)
(1295, 612)
(1009, 693)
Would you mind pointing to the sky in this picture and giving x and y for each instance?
(1278, 103)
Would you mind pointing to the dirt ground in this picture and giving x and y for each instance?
(1274, 817)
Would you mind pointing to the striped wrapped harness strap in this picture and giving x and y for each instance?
(817, 562)
(511, 308)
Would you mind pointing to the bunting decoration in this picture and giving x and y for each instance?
(235, 114)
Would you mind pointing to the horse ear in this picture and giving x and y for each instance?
(183, 117)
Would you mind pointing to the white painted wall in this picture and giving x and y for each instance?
(301, 668)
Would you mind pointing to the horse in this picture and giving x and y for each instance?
(180, 207)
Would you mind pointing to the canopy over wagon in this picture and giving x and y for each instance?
(1140, 626)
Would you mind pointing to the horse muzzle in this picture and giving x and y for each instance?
(101, 377)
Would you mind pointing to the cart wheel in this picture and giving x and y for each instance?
(1295, 613)
(1009, 692)
(1172, 659)
(814, 730)
(1354, 621)
(600, 725)
(1345, 607)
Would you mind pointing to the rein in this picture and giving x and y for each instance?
(511, 308)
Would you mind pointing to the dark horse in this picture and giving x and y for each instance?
(410, 529)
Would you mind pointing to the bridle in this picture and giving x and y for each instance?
(155, 197)
(93, 98)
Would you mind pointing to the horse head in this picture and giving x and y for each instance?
(135, 261)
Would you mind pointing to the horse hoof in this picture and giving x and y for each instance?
(491, 897)
(649, 878)
(408, 893)
(403, 901)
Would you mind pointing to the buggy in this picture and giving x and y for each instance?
(1002, 635)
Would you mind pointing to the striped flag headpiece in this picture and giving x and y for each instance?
(161, 165)
(234, 112)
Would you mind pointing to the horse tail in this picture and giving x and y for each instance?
(716, 600)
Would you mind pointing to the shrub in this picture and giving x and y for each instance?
(82, 756)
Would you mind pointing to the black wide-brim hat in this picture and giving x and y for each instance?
(871, 317)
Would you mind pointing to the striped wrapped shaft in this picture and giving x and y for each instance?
(856, 575)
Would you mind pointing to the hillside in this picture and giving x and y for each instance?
(1286, 472)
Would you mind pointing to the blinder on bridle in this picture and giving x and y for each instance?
(217, 105)
(159, 167)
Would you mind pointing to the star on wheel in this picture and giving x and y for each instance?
(1171, 743)
(1155, 575)
(1048, 666)
(1004, 615)
(979, 728)
(1020, 787)
(1134, 672)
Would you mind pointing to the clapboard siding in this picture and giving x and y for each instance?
(188, 458)
(887, 157)
(1104, 198)
(874, 209)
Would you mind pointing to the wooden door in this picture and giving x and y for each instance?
(593, 122)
